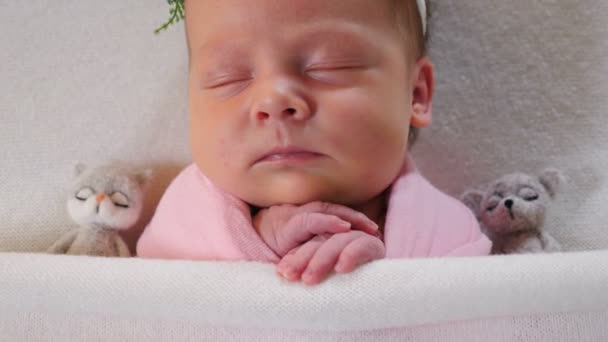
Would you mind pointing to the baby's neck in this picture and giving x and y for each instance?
(375, 209)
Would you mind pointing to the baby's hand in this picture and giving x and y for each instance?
(285, 227)
(343, 252)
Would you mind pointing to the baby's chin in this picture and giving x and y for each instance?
(286, 190)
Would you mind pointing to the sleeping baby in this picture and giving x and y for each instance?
(302, 113)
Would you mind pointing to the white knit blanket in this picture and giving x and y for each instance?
(385, 295)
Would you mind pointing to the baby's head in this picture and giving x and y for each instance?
(294, 101)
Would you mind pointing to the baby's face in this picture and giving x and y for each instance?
(299, 101)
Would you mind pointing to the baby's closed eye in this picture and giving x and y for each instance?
(332, 71)
(224, 69)
(217, 80)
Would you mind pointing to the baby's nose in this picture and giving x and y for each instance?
(268, 113)
(280, 101)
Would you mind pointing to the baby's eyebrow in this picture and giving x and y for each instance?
(220, 47)
(338, 34)
(343, 35)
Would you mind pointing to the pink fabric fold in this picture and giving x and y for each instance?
(196, 220)
(422, 221)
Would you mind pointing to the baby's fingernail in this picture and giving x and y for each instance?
(344, 224)
(307, 277)
(291, 275)
(371, 223)
(287, 273)
(363, 216)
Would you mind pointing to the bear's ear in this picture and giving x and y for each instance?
(143, 177)
(552, 179)
(472, 199)
(79, 169)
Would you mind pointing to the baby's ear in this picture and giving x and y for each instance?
(472, 199)
(143, 177)
(552, 179)
(79, 169)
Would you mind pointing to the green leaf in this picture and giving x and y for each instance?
(176, 13)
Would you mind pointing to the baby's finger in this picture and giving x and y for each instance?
(293, 264)
(304, 226)
(358, 220)
(360, 251)
(325, 258)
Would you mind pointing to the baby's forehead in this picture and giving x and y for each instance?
(335, 35)
(318, 19)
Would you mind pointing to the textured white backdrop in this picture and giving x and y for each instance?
(521, 85)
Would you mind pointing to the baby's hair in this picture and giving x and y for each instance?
(407, 21)
(409, 24)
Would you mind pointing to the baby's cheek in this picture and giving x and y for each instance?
(372, 137)
(209, 150)
(366, 121)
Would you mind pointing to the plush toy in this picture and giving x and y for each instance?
(102, 201)
(512, 211)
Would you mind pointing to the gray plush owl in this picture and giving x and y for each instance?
(512, 211)
(102, 201)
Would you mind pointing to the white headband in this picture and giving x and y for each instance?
(422, 10)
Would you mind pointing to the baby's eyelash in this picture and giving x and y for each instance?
(223, 81)
(334, 65)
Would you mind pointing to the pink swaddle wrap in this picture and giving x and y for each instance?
(196, 220)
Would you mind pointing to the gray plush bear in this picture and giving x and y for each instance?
(103, 201)
(512, 211)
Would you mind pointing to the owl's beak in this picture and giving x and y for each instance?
(100, 197)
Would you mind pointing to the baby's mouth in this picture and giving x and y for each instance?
(290, 155)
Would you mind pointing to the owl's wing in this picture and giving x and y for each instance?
(121, 247)
(62, 245)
